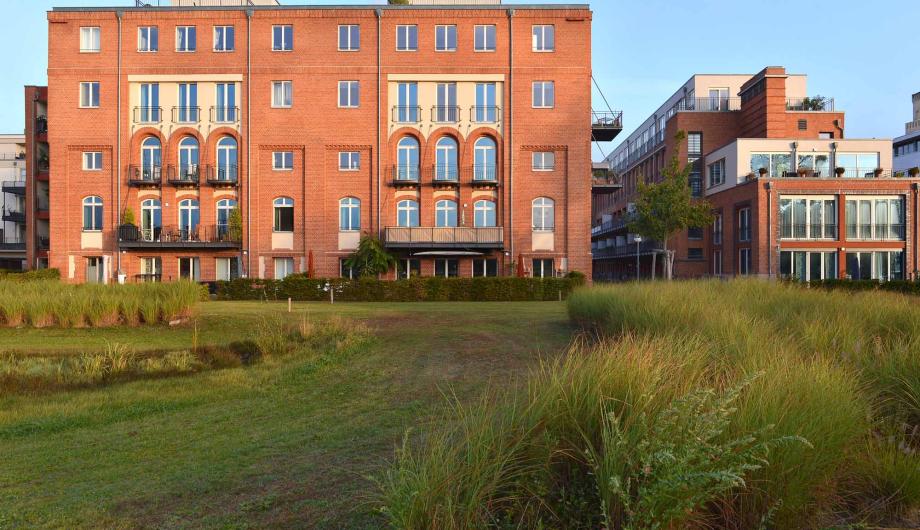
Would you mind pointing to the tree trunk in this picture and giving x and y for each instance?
(667, 259)
(654, 263)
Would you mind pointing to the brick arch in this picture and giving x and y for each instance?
(398, 135)
(209, 149)
(485, 132)
(428, 156)
(134, 155)
(171, 155)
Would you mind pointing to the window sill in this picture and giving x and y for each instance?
(186, 51)
(544, 51)
(85, 231)
(90, 51)
(282, 231)
(282, 107)
(350, 170)
(415, 50)
(282, 169)
(349, 49)
(223, 51)
(274, 50)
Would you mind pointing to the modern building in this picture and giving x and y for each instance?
(12, 202)
(907, 147)
(458, 133)
(790, 194)
(37, 178)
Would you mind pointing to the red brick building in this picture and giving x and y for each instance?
(460, 135)
(791, 195)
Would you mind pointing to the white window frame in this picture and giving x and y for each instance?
(485, 38)
(349, 160)
(717, 164)
(717, 229)
(87, 40)
(717, 262)
(347, 205)
(287, 268)
(543, 94)
(285, 46)
(484, 207)
(445, 207)
(542, 30)
(350, 46)
(407, 207)
(348, 103)
(94, 202)
(287, 88)
(539, 161)
(218, 269)
(92, 161)
(808, 222)
(283, 160)
(186, 29)
(223, 40)
(406, 28)
(94, 90)
(194, 264)
(545, 204)
(745, 213)
(437, 37)
(744, 271)
(150, 31)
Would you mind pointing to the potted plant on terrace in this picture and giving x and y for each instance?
(913, 172)
(127, 230)
(878, 172)
(840, 171)
(802, 172)
(762, 172)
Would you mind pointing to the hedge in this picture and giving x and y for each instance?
(897, 286)
(433, 289)
(30, 276)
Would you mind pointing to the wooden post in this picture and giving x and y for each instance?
(289, 304)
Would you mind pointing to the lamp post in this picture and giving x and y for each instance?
(637, 239)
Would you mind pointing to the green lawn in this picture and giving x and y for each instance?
(281, 443)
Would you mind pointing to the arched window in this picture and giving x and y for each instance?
(226, 159)
(92, 213)
(188, 159)
(446, 159)
(284, 214)
(151, 219)
(445, 213)
(224, 207)
(484, 159)
(407, 213)
(543, 214)
(483, 214)
(407, 159)
(189, 218)
(349, 214)
(151, 158)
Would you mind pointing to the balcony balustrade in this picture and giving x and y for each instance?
(186, 114)
(15, 187)
(485, 114)
(444, 237)
(183, 176)
(403, 114)
(225, 114)
(441, 114)
(148, 114)
(223, 175)
(194, 237)
(144, 176)
(810, 104)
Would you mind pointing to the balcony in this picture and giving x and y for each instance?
(148, 114)
(717, 104)
(41, 125)
(43, 243)
(404, 175)
(410, 115)
(12, 243)
(628, 250)
(15, 187)
(225, 114)
(603, 181)
(484, 175)
(144, 176)
(611, 226)
(186, 114)
(445, 114)
(605, 126)
(877, 232)
(810, 104)
(809, 232)
(174, 237)
(223, 176)
(14, 217)
(460, 237)
(183, 176)
(443, 175)
(485, 114)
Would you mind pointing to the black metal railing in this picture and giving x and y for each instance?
(43, 166)
(223, 175)
(12, 242)
(14, 187)
(611, 226)
(218, 235)
(188, 175)
(186, 114)
(626, 250)
(441, 114)
(407, 114)
(444, 236)
(807, 231)
(485, 173)
(44, 243)
(41, 125)
(14, 217)
(895, 231)
(444, 174)
(225, 114)
(607, 120)
(404, 174)
(712, 104)
(148, 114)
(145, 175)
(485, 114)
(810, 104)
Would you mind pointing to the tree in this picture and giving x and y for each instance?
(235, 224)
(370, 258)
(127, 217)
(667, 207)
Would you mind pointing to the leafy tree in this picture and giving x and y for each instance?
(667, 207)
(398, 2)
(235, 224)
(127, 217)
(370, 258)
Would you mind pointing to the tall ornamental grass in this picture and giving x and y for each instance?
(51, 303)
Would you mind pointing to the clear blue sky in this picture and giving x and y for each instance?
(864, 54)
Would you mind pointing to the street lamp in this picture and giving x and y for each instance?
(637, 239)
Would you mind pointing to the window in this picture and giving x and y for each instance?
(717, 173)
(224, 207)
(92, 161)
(407, 213)
(815, 164)
(717, 263)
(445, 213)
(407, 159)
(282, 38)
(446, 160)
(147, 39)
(227, 156)
(89, 94)
(90, 41)
(282, 94)
(445, 38)
(283, 160)
(807, 218)
(225, 109)
(543, 268)
(95, 270)
(185, 38)
(348, 94)
(409, 268)
(695, 143)
(695, 234)
(717, 229)
(484, 165)
(858, 165)
(485, 110)
(744, 261)
(349, 215)
(189, 269)
(407, 110)
(187, 111)
(447, 268)
(544, 161)
(349, 161)
(825, 136)
(151, 269)
(92, 214)
(406, 38)
(487, 268)
(149, 111)
(803, 125)
(544, 38)
(189, 219)
(223, 38)
(543, 94)
(345, 271)
(188, 159)
(543, 214)
(484, 214)
(695, 254)
(773, 164)
(484, 38)
(284, 267)
(875, 218)
(151, 219)
(883, 265)
(284, 215)
(349, 38)
(151, 158)
(808, 266)
(744, 224)
(226, 269)
(446, 110)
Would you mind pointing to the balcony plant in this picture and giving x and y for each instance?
(913, 172)
(878, 172)
(840, 171)
(802, 172)
(235, 225)
(127, 230)
(762, 172)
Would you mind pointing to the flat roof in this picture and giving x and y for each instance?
(385, 7)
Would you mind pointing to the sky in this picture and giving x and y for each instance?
(861, 53)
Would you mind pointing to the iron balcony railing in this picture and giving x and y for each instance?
(485, 173)
(485, 114)
(186, 114)
(807, 231)
(441, 114)
(183, 175)
(14, 217)
(611, 226)
(44, 243)
(41, 125)
(145, 175)
(13, 242)
(198, 236)
(404, 174)
(712, 104)
(893, 231)
(407, 114)
(810, 104)
(192, 3)
(225, 114)
(607, 120)
(15, 187)
(444, 237)
(626, 250)
(444, 174)
(148, 114)
(43, 166)
(223, 175)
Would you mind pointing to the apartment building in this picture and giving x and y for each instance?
(458, 134)
(791, 195)
(907, 146)
(12, 202)
(37, 178)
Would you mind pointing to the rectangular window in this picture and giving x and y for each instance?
(485, 268)
(544, 161)
(410, 268)
(808, 266)
(858, 165)
(189, 269)
(695, 234)
(149, 111)
(225, 108)
(185, 38)
(283, 160)
(484, 38)
(717, 173)
(882, 265)
(407, 110)
(716, 262)
(485, 110)
(284, 219)
(447, 268)
(227, 269)
(95, 270)
(282, 38)
(349, 93)
(349, 38)
(90, 40)
(776, 165)
(815, 164)
(695, 254)
(223, 38)
(284, 267)
(92, 161)
(187, 111)
(151, 269)
(803, 125)
(147, 39)
(543, 268)
(544, 38)
(717, 230)
(544, 94)
(445, 38)
(89, 94)
(806, 218)
(446, 110)
(875, 218)
(695, 144)
(282, 94)
(744, 261)
(406, 38)
(744, 224)
(349, 161)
